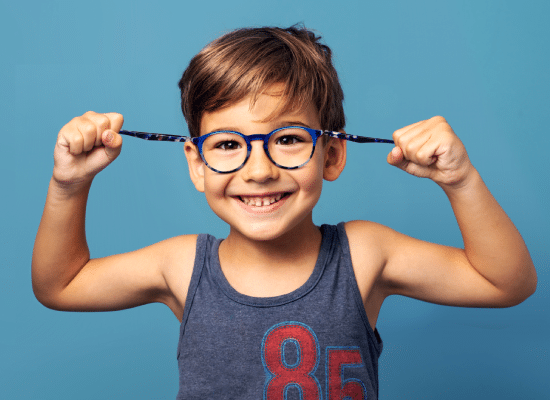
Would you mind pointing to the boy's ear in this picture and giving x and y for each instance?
(335, 158)
(196, 165)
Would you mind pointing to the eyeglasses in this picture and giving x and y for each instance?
(290, 147)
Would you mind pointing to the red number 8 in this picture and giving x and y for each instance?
(300, 374)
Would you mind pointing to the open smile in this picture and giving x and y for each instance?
(264, 200)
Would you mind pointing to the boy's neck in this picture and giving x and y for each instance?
(270, 268)
(294, 248)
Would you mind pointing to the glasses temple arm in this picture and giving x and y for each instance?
(156, 136)
(356, 138)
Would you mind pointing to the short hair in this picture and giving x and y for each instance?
(247, 61)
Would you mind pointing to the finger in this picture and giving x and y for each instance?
(412, 145)
(116, 121)
(395, 158)
(66, 136)
(71, 136)
(435, 141)
(85, 136)
(102, 123)
(400, 132)
(428, 153)
(112, 142)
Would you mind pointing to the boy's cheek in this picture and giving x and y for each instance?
(311, 180)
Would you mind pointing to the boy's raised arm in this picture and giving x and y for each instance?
(63, 275)
(494, 269)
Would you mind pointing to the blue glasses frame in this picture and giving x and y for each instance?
(198, 141)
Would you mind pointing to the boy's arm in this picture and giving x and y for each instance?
(64, 277)
(493, 270)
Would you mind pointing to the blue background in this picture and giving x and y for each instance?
(481, 64)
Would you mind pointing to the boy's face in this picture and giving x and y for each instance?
(262, 201)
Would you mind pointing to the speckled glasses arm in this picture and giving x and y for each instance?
(355, 138)
(156, 136)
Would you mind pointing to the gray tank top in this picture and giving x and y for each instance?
(313, 343)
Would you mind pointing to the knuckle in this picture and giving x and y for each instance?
(439, 121)
(396, 135)
(423, 156)
(76, 140)
(115, 119)
(397, 139)
(103, 122)
(119, 118)
(100, 120)
(409, 148)
(88, 129)
(89, 114)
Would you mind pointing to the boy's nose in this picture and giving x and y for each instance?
(259, 167)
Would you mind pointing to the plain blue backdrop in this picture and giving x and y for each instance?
(484, 65)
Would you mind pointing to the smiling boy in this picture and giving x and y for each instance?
(281, 308)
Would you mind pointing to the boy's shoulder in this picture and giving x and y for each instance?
(176, 257)
(178, 250)
(367, 240)
(368, 243)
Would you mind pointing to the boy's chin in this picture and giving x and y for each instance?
(259, 233)
(273, 231)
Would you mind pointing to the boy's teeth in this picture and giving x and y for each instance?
(261, 201)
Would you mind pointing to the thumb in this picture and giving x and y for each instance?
(112, 142)
(396, 158)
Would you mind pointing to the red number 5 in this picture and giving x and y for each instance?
(339, 358)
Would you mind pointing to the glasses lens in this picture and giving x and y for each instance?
(224, 151)
(290, 147)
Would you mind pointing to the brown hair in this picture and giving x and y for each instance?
(249, 60)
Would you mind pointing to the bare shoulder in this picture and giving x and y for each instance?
(366, 239)
(178, 258)
(367, 242)
(370, 247)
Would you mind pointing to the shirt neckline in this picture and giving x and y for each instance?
(229, 291)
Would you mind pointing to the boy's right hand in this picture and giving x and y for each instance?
(85, 146)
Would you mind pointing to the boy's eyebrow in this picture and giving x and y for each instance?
(295, 123)
(222, 129)
(279, 125)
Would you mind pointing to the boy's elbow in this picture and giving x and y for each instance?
(52, 302)
(531, 286)
(523, 290)
(44, 298)
(46, 295)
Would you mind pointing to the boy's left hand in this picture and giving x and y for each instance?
(431, 149)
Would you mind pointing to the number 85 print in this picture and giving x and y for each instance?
(283, 376)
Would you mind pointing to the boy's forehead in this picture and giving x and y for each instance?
(270, 107)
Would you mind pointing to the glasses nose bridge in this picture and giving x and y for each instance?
(257, 136)
(258, 165)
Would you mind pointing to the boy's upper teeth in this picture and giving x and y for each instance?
(258, 201)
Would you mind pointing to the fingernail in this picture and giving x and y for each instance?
(395, 152)
(109, 136)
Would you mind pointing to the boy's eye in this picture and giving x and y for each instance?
(228, 145)
(288, 140)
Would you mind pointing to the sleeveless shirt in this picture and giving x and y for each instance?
(313, 343)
